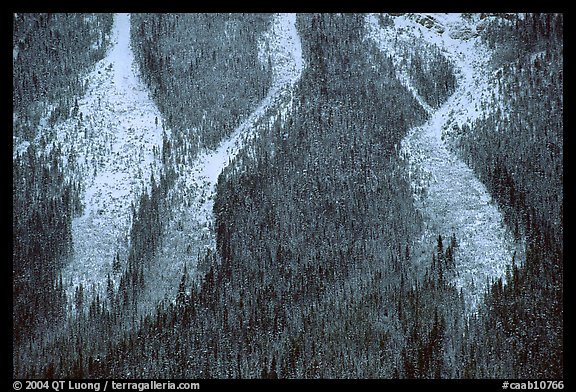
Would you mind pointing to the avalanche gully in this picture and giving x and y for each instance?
(198, 181)
(113, 148)
(446, 191)
(111, 143)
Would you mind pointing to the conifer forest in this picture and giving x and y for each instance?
(280, 196)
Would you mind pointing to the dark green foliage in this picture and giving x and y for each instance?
(145, 236)
(51, 52)
(521, 329)
(432, 75)
(513, 37)
(518, 153)
(203, 70)
(320, 247)
(522, 165)
(43, 204)
(319, 272)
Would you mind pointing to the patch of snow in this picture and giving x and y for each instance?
(191, 231)
(386, 43)
(446, 190)
(19, 146)
(108, 146)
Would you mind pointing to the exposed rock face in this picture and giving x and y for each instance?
(507, 16)
(462, 32)
(426, 21)
(430, 22)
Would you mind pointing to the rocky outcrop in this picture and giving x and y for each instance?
(462, 32)
(507, 16)
(429, 22)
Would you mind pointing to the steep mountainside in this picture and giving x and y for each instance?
(288, 196)
(446, 190)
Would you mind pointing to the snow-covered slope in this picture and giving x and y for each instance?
(284, 47)
(446, 190)
(113, 145)
(111, 139)
(190, 232)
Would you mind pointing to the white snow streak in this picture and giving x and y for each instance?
(446, 190)
(113, 146)
(286, 52)
(192, 227)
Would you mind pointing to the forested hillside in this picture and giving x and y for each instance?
(43, 204)
(319, 257)
(203, 71)
(314, 283)
(518, 152)
(51, 52)
(76, 327)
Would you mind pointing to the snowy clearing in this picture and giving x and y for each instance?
(191, 231)
(111, 139)
(445, 189)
